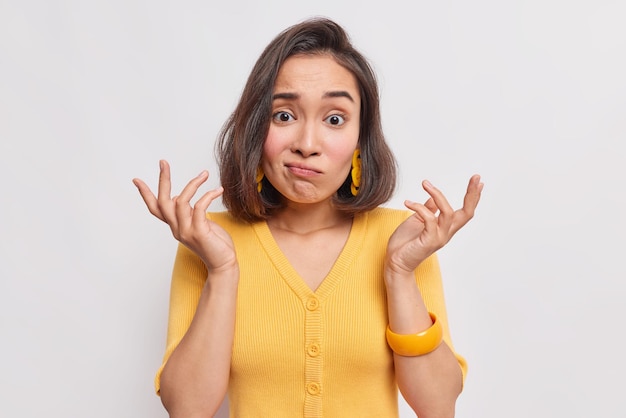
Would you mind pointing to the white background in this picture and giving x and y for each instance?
(530, 94)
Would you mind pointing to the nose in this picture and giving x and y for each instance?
(308, 141)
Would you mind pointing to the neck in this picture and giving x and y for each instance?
(306, 218)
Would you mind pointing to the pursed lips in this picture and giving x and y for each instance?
(302, 170)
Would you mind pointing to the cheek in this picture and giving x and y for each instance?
(273, 145)
(343, 156)
(343, 147)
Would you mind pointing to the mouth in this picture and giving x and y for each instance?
(302, 170)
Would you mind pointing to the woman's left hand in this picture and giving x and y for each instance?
(427, 231)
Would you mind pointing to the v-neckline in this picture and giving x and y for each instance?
(337, 272)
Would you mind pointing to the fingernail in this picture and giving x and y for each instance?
(427, 183)
(161, 165)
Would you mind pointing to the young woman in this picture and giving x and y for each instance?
(306, 298)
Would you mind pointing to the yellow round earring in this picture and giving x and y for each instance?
(355, 173)
(259, 179)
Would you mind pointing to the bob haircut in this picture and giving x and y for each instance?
(239, 146)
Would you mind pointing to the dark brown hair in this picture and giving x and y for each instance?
(240, 143)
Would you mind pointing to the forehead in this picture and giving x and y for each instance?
(322, 72)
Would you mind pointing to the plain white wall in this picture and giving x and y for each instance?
(531, 94)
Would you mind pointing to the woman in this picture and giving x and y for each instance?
(305, 298)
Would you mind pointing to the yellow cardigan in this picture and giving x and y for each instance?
(304, 353)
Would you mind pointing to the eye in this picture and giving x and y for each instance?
(283, 117)
(336, 120)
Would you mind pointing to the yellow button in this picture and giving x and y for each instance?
(312, 304)
(314, 350)
(313, 388)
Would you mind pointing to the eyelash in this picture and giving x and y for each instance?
(342, 117)
(277, 117)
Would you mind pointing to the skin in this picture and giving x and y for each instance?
(430, 383)
(306, 156)
(314, 129)
(195, 378)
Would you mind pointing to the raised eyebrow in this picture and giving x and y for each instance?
(287, 96)
(328, 94)
(340, 93)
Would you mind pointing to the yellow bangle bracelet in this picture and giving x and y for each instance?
(412, 345)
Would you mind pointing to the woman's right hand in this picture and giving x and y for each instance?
(189, 224)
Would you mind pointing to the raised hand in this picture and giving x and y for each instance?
(189, 224)
(430, 228)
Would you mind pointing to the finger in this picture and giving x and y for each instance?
(148, 198)
(472, 196)
(166, 204)
(422, 213)
(470, 202)
(192, 187)
(431, 225)
(430, 204)
(184, 210)
(165, 181)
(202, 205)
(445, 210)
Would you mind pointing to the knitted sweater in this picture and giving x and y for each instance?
(304, 353)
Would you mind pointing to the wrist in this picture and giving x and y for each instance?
(397, 277)
(223, 278)
(396, 267)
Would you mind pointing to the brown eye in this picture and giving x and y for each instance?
(283, 117)
(336, 120)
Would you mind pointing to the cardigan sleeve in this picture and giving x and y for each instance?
(429, 282)
(188, 278)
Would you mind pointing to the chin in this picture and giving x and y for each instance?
(308, 199)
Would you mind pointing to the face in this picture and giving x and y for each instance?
(314, 130)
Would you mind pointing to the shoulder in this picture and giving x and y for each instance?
(239, 230)
(221, 217)
(227, 221)
(387, 216)
(378, 224)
